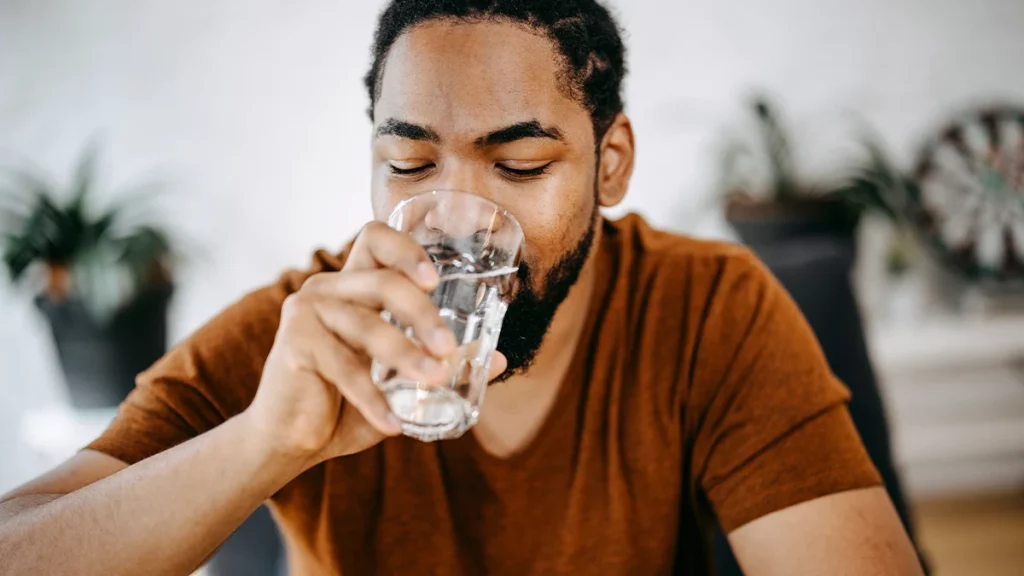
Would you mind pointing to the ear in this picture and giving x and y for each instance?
(617, 153)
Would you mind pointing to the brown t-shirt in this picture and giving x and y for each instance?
(697, 392)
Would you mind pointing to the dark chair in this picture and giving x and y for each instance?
(255, 549)
(816, 272)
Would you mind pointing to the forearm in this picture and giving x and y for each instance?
(164, 515)
(11, 508)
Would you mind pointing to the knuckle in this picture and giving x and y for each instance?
(292, 307)
(375, 226)
(294, 358)
(372, 231)
(362, 321)
(317, 280)
(379, 335)
(383, 283)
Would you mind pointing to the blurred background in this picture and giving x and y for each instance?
(158, 160)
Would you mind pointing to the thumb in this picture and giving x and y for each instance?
(498, 365)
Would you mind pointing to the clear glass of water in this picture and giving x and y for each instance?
(476, 246)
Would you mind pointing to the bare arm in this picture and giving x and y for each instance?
(77, 472)
(164, 515)
(850, 533)
(315, 401)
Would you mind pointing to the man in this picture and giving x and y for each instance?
(647, 385)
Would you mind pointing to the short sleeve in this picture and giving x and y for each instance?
(205, 380)
(771, 426)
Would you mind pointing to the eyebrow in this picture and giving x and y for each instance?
(518, 131)
(402, 129)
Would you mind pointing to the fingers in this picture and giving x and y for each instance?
(379, 246)
(342, 368)
(365, 331)
(498, 365)
(388, 290)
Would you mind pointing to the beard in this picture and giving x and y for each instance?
(531, 311)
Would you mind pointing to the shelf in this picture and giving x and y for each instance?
(947, 342)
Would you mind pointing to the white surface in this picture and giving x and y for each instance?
(55, 434)
(943, 341)
(254, 113)
(954, 390)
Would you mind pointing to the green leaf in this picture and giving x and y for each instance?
(85, 174)
(18, 256)
(142, 249)
(776, 145)
(99, 231)
(108, 266)
(19, 195)
(876, 184)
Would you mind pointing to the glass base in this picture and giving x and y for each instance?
(429, 414)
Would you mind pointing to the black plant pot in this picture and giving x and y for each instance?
(765, 224)
(100, 362)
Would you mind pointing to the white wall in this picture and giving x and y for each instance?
(253, 112)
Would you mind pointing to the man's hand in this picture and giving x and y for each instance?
(167, 513)
(316, 397)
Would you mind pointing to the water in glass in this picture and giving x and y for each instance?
(471, 296)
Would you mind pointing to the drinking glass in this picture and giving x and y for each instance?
(475, 245)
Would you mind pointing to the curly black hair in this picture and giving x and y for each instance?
(584, 32)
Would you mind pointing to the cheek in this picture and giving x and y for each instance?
(384, 200)
(552, 231)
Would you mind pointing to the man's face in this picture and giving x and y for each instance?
(482, 108)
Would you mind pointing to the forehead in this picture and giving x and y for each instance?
(470, 77)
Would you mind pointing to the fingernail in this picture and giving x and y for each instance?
(427, 273)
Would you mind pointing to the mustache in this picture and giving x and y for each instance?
(524, 277)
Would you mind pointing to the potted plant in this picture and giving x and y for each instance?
(766, 201)
(103, 279)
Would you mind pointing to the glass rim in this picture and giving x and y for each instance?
(476, 198)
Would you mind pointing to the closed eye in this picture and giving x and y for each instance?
(527, 173)
(409, 171)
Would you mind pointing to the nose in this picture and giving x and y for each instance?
(463, 214)
(462, 174)
(472, 213)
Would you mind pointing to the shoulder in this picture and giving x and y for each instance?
(258, 312)
(224, 358)
(682, 266)
(685, 307)
(209, 377)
